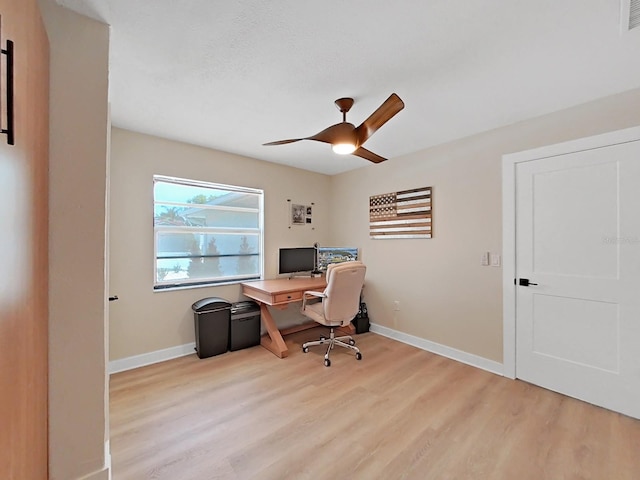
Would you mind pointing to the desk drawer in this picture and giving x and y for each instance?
(287, 297)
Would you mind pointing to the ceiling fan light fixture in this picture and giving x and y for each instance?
(343, 148)
(345, 138)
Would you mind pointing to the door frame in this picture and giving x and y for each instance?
(509, 267)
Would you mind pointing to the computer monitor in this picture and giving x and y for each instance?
(297, 260)
(327, 255)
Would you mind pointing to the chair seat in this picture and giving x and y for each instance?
(315, 312)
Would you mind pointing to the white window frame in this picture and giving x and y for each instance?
(160, 286)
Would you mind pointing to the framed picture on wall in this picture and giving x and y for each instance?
(298, 214)
(404, 214)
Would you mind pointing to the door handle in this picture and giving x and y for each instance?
(524, 282)
(112, 298)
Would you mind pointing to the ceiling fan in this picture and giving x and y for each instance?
(345, 138)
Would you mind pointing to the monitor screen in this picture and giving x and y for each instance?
(327, 255)
(294, 260)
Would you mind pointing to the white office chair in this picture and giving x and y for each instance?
(338, 306)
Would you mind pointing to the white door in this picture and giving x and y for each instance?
(577, 222)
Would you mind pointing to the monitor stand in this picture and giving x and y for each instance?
(301, 274)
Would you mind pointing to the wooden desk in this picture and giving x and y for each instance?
(280, 293)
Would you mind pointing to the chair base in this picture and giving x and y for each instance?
(331, 342)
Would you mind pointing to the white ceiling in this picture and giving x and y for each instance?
(234, 75)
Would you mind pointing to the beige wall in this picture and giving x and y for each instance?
(144, 321)
(445, 295)
(78, 395)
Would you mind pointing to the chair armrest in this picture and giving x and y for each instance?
(310, 294)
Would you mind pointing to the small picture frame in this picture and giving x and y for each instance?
(300, 214)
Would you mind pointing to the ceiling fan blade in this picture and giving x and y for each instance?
(369, 155)
(339, 133)
(283, 142)
(382, 115)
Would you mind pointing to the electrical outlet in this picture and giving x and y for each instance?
(396, 305)
(484, 260)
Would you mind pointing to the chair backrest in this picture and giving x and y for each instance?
(344, 285)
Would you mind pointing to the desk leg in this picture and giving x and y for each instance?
(273, 341)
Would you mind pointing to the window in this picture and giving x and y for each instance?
(205, 233)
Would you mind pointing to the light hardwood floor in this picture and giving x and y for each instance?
(399, 413)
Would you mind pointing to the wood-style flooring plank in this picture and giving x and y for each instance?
(400, 413)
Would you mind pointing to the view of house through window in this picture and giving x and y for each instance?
(205, 233)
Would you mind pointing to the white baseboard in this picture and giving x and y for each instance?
(136, 361)
(492, 366)
(433, 347)
(107, 457)
(104, 474)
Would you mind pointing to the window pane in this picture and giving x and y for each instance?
(204, 216)
(199, 195)
(175, 244)
(171, 270)
(206, 234)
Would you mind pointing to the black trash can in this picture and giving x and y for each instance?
(245, 325)
(211, 317)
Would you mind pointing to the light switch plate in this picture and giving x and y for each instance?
(484, 260)
(495, 259)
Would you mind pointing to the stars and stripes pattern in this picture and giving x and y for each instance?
(405, 214)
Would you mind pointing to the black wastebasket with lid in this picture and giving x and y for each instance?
(212, 318)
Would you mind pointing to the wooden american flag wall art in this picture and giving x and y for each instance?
(405, 214)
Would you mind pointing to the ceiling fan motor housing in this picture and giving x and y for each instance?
(344, 104)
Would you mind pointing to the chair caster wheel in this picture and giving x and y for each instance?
(305, 349)
(352, 342)
(358, 356)
(322, 338)
(327, 362)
